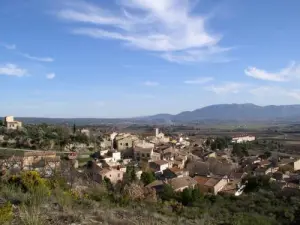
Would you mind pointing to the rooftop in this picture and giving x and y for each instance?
(161, 162)
(182, 182)
(212, 182)
(144, 150)
(201, 179)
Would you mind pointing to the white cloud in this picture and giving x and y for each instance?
(150, 83)
(229, 87)
(41, 59)
(50, 76)
(12, 70)
(201, 80)
(166, 27)
(289, 73)
(273, 91)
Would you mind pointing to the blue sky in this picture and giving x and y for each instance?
(123, 58)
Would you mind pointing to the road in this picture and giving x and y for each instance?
(30, 150)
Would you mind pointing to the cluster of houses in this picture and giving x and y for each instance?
(174, 161)
(183, 163)
(283, 172)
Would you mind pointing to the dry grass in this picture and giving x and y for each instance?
(31, 216)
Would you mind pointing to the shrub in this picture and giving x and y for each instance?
(31, 216)
(6, 213)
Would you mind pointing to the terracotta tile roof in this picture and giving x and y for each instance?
(201, 179)
(212, 182)
(175, 169)
(182, 182)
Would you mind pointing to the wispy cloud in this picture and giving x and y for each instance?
(166, 27)
(13, 47)
(274, 91)
(12, 70)
(50, 76)
(9, 46)
(288, 73)
(151, 83)
(200, 80)
(41, 59)
(211, 54)
(229, 87)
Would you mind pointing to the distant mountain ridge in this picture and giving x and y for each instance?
(235, 112)
(209, 114)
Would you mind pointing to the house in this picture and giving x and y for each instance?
(294, 163)
(211, 184)
(261, 171)
(85, 131)
(159, 166)
(123, 142)
(12, 124)
(144, 151)
(114, 175)
(179, 163)
(159, 137)
(174, 172)
(181, 183)
(112, 156)
(234, 176)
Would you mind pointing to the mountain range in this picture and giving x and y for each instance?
(210, 114)
(235, 112)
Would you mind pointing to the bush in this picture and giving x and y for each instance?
(31, 216)
(31, 182)
(6, 213)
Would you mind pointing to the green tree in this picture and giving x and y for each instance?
(147, 177)
(130, 174)
(168, 193)
(267, 154)
(186, 196)
(74, 128)
(1, 123)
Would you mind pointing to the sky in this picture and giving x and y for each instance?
(127, 58)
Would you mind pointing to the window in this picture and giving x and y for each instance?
(118, 175)
(143, 155)
(148, 155)
(109, 175)
(121, 143)
(126, 144)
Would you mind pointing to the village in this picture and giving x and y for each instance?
(178, 160)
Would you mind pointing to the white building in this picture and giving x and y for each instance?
(242, 139)
(11, 123)
(159, 166)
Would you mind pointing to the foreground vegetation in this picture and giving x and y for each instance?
(31, 200)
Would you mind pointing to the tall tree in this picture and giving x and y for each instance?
(74, 128)
(147, 177)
